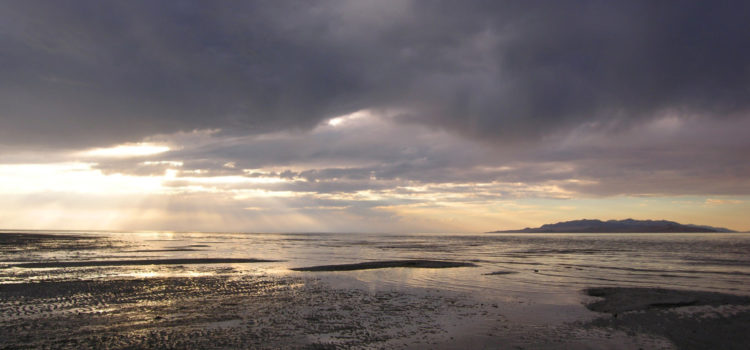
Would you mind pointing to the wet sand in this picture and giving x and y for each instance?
(261, 312)
(688, 319)
(272, 312)
(618, 300)
(73, 306)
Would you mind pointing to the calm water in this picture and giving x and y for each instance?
(543, 264)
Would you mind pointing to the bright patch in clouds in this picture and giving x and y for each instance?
(127, 150)
(714, 201)
(338, 121)
(71, 178)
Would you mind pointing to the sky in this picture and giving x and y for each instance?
(372, 115)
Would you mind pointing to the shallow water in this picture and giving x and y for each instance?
(527, 263)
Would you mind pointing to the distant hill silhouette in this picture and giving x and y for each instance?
(617, 226)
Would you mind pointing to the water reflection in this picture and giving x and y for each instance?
(553, 264)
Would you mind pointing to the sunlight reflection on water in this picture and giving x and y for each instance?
(553, 265)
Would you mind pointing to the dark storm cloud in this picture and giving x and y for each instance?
(82, 73)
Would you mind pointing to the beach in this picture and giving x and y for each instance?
(105, 290)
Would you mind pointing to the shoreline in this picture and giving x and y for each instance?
(95, 292)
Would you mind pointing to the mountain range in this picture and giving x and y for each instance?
(617, 226)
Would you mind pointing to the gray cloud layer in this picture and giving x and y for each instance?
(668, 156)
(84, 73)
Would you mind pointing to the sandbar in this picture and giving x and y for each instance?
(497, 273)
(425, 264)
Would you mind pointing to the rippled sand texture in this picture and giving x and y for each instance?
(73, 304)
(209, 312)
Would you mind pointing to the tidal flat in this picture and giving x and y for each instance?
(147, 290)
(218, 312)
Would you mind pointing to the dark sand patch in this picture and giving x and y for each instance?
(497, 273)
(163, 250)
(11, 238)
(688, 319)
(30, 242)
(21, 246)
(617, 300)
(425, 264)
(137, 262)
